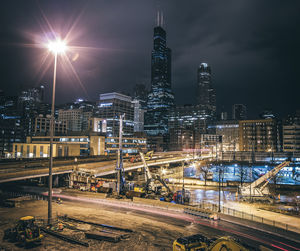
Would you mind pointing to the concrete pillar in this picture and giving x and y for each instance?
(71, 182)
(56, 180)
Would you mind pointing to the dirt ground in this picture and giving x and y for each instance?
(150, 232)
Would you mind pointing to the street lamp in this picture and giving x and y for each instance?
(56, 47)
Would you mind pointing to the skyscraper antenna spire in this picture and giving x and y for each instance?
(157, 18)
(162, 19)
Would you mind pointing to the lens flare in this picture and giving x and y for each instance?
(57, 46)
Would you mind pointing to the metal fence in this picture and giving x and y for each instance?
(203, 205)
(246, 216)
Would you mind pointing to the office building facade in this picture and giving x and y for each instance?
(291, 138)
(186, 123)
(73, 117)
(262, 135)
(42, 126)
(160, 97)
(229, 130)
(138, 116)
(206, 94)
(110, 107)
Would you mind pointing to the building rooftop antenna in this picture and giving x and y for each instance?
(158, 19)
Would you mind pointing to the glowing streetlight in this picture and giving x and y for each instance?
(56, 47)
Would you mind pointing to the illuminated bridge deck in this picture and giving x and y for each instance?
(97, 169)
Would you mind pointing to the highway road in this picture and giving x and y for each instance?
(257, 236)
(101, 168)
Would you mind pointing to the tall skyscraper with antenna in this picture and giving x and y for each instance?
(160, 97)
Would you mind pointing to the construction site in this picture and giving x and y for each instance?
(143, 202)
(144, 209)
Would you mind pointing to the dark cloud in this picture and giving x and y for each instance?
(252, 47)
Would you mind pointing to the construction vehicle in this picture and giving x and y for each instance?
(154, 185)
(151, 186)
(258, 189)
(25, 232)
(199, 242)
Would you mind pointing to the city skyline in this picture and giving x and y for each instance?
(260, 51)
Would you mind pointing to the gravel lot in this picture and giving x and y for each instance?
(150, 232)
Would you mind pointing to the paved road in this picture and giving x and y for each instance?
(100, 168)
(252, 236)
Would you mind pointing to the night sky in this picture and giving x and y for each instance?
(253, 48)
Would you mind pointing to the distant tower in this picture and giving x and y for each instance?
(42, 93)
(206, 94)
(239, 112)
(160, 98)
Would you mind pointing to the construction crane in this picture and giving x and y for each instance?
(258, 188)
(150, 179)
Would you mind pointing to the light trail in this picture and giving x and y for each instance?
(160, 211)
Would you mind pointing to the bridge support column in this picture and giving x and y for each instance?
(55, 182)
(71, 180)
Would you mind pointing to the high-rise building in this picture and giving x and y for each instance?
(11, 128)
(42, 126)
(138, 116)
(291, 133)
(229, 130)
(77, 114)
(262, 135)
(206, 94)
(29, 105)
(160, 97)
(239, 112)
(140, 93)
(73, 118)
(11, 131)
(110, 107)
(291, 138)
(186, 123)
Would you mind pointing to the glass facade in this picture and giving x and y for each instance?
(161, 97)
(110, 107)
(206, 94)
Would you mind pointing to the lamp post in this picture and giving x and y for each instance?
(56, 47)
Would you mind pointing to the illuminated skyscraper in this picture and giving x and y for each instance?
(206, 94)
(160, 98)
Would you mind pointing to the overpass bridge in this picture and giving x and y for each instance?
(10, 173)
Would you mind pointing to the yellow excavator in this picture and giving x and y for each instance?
(199, 242)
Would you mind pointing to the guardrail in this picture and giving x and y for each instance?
(246, 216)
(203, 213)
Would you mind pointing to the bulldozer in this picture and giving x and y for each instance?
(25, 232)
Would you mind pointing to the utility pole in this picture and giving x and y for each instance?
(234, 150)
(219, 209)
(251, 183)
(183, 191)
(119, 166)
(252, 163)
